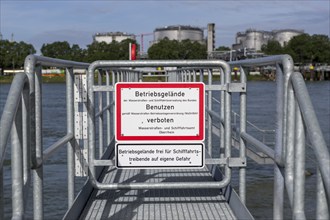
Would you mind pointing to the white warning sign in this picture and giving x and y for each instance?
(160, 155)
(160, 111)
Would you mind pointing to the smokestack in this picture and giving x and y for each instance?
(210, 38)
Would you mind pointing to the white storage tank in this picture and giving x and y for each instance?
(254, 39)
(112, 36)
(285, 35)
(179, 33)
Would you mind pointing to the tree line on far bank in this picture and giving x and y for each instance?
(12, 54)
(165, 49)
(303, 49)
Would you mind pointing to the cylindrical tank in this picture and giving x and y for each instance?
(254, 39)
(240, 38)
(112, 36)
(285, 35)
(179, 33)
(268, 35)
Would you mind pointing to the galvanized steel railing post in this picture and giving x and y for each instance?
(113, 99)
(109, 109)
(209, 118)
(100, 102)
(2, 202)
(38, 172)
(70, 129)
(242, 148)
(299, 167)
(227, 121)
(290, 142)
(222, 115)
(91, 121)
(26, 142)
(322, 205)
(29, 67)
(17, 166)
(278, 202)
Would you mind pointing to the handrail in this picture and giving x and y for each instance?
(9, 111)
(23, 119)
(33, 60)
(289, 152)
(313, 129)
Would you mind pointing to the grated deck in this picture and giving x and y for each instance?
(157, 204)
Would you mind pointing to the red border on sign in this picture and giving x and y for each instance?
(198, 137)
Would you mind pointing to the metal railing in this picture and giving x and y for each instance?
(22, 116)
(15, 112)
(295, 114)
(131, 71)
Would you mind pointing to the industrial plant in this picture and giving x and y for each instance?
(255, 39)
(251, 39)
(173, 32)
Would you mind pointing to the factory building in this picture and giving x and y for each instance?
(112, 36)
(179, 33)
(255, 39)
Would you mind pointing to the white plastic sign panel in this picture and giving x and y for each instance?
(160, 112)
(160, 156)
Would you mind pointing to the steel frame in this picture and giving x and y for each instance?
(22, 118)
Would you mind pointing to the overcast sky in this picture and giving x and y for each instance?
(76, 21)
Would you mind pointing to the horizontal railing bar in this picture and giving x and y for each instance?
(104, 88)
(271, 60)
(219, 161)
(215, 87)
(162, 185)
(107, 88)
(155, 76)
(53, 62)
(157, 63)
(104, 162)
(54, 147)
(117, 70)
(261, 146)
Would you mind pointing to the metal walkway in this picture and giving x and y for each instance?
(205, 193)
(157, 203)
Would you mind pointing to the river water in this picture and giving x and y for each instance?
(260, 111)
